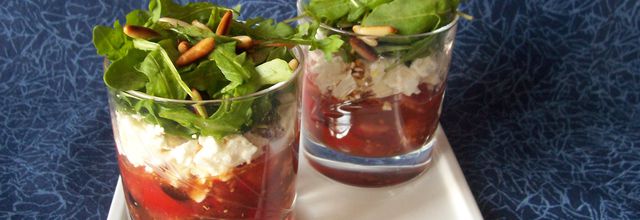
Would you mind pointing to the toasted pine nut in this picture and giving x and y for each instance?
(183, 46)
(199, 109)
(379, 31)
(225, 22)
(371, 41)
(139, 32)
(172, 21)
(244, 42)
(293, 63)
(196, 23)
(201, 49)
(364, 50)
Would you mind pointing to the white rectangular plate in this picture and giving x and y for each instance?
(440, 193)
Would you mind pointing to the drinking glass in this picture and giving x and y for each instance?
(170, 172)
(371, 122)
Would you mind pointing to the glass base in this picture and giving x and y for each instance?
(286, 215)
(367, 171)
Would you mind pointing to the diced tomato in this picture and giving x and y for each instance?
(147, 192)
(371, 129)
(258, 190)
(375, 127)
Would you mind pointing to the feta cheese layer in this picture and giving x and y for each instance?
(147, 145)
(334, 76)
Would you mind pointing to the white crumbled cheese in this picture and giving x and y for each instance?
(377, 73)
(344, 87)
(428, 69)
(328, 71)
(178, 162)
(402, 80)
(134, 133)
(425, 66)
(217, 159)
(146, 144)
(335, 75)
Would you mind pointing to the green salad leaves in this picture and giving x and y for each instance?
(384, 19)
(242, 58)
(111, 42)
(411, 16)
(408, 16)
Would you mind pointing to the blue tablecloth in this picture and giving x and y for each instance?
(542, 107)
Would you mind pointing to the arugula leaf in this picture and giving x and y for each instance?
(228, 119)
(147, 108)
(122, 75)
(175, 128)
(138, 17)
(236, 68)
(341, 13)
(235, 113)
(194, 34)
(410, 16)
(262, 29)
(111, 42)
(206, 77)
(356, 11)
(328, 11)
(263, 54)
(274, 71)
(240, 112)
(148, 67)
(164, 79)
(306, 36)
(189, 120)
(150, 112)
(191, 31)
(374, 3)
(329, 45)
(200, 11)
(171, 47)
(231, 115)
(279, 30)
(419, 48)
(267, 30)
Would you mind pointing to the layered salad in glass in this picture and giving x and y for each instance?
(204, 110)
(380, 96)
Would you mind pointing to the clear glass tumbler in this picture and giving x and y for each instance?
(170, 172)
(369, 120)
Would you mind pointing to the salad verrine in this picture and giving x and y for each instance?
(371, 109)
(205, 110)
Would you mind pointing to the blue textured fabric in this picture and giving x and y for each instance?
(542, 107)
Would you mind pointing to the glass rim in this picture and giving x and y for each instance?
(298, 54)
(447, 27)
(444, 28)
